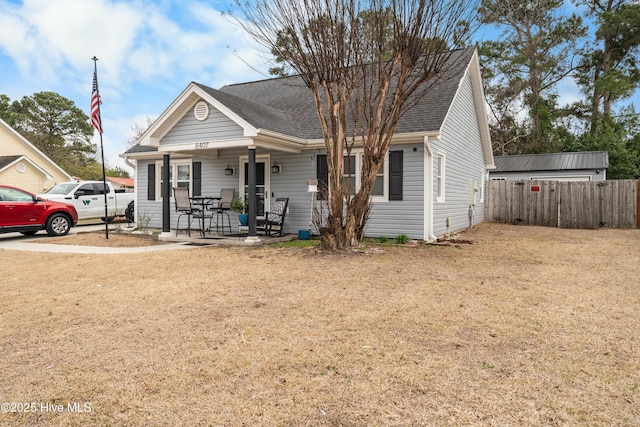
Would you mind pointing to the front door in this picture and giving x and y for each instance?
(262, 183)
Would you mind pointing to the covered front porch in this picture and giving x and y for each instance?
(261, 176)
(207, 146)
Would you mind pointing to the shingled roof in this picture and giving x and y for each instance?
(286, 105)
(7, 160)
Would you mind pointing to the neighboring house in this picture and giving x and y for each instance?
(122, 183)
(24, 166)
(579, 166)
(432, 182)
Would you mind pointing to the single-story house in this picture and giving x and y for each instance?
(577, 166)
(432, 182)
(25, 166)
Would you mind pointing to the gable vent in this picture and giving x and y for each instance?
(201, 111)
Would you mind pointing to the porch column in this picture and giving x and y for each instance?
(253, 200)
(166, 196)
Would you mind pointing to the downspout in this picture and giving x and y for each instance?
(130, 164)
(428, 192)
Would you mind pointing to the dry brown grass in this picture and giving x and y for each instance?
(525, 326)
(116, 239)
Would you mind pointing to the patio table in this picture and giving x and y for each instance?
(204, 202)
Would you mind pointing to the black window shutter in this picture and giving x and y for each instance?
(395, 175)
(151, 181)
(322, 173)
(197, 178)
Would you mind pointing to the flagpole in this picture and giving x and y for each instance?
(104, 176)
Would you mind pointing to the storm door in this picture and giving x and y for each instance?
(262, 183)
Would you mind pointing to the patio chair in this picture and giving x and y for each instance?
(185, 207)
(274, 218)
(223, 208)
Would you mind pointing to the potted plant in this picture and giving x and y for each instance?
(240, 206)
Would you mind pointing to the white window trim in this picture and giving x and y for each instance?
(385, 175)
(173, 164)
(440, 185)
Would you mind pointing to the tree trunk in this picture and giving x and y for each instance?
(346, 231)
(606, 68)
(595, 103)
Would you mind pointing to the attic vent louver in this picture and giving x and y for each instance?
(201, 111)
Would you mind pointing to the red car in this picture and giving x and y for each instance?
(26, 213)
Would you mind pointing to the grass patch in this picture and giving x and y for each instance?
(297, 244)
(526, 326)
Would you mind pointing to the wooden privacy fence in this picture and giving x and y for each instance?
(565, 204)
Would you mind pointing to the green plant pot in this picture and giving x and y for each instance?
(244, 219)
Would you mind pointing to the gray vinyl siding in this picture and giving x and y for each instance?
(387, 218)
(149, 208)
(291, 182)
(464, 161)
(216, 127)
(406, 216)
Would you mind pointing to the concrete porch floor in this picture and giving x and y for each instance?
(233, 239)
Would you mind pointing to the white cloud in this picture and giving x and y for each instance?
(148, 52)
(197, 50)
(53, 41)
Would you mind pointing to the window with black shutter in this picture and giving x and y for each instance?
(395, 175)
(151, 181)
(322, 173)
(197, 178)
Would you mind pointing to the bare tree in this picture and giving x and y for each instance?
(138, 129)
(365, 63)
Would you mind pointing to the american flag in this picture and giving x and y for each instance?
(95, 104)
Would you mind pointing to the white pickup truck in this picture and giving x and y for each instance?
(88, 198)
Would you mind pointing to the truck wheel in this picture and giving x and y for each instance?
(129, 212)
(58, 224)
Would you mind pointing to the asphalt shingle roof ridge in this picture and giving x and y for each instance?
(290, 95)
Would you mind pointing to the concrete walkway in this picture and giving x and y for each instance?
(18, 242)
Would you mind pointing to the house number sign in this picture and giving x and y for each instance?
(201, 145)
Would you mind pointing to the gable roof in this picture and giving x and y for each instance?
(43, 156)
(296, 111)
(8, 161)
(552, 161)
(282, 110)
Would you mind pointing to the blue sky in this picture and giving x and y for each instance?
(148, 50)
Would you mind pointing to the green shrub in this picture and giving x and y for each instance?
(402, 239)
